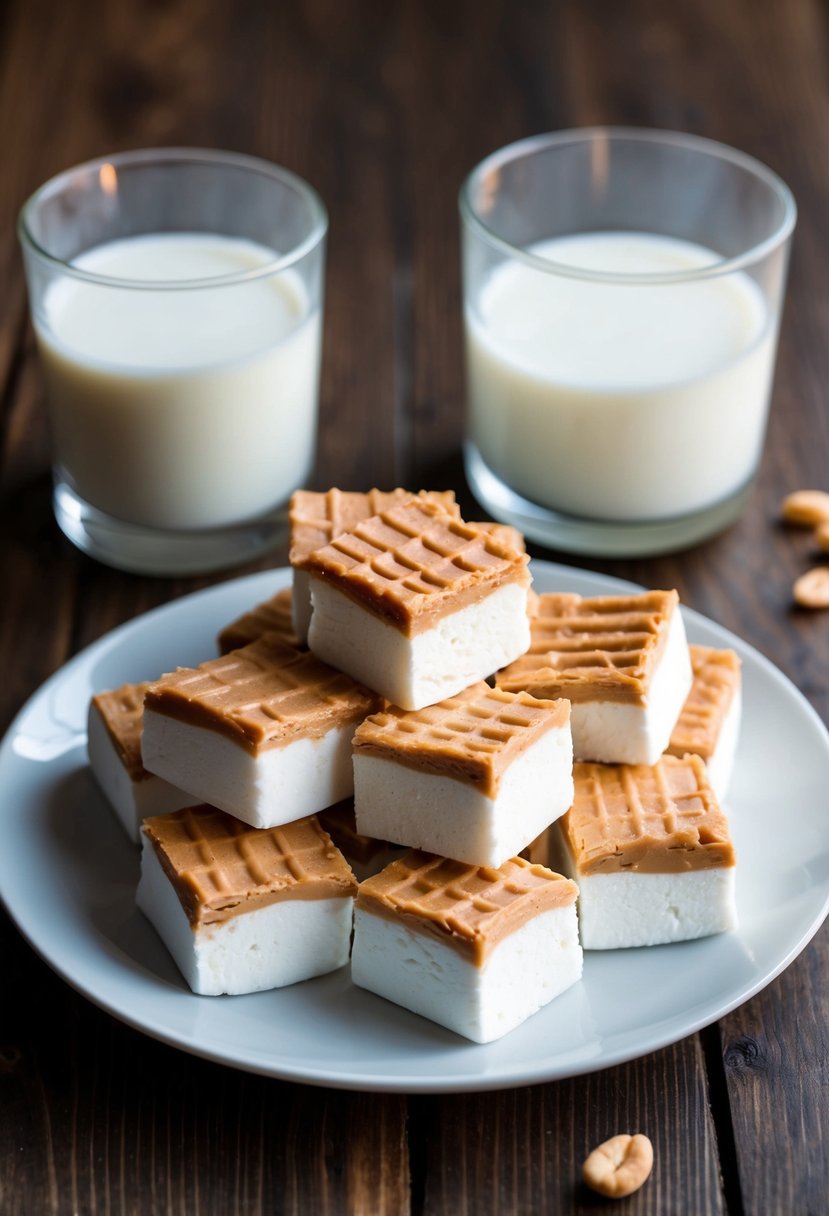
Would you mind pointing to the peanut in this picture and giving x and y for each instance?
(619, 1166)
(822, 536)
(812, 589)
(807, 508)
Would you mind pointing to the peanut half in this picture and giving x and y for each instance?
(812, 589)
(619, 1166)
(806, 507)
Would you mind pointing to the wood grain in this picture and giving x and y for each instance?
(98, 1118)
(775, 1051)
(544, 1133)
(385, 109)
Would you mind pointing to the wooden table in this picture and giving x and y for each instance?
(384, 108)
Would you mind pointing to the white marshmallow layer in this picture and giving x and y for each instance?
(279, 785)
(413, 672)
(611, 733)
(451, 817)
(287, 941)
(131, 800)
(524, 972)
(720, 764)
(618, 910)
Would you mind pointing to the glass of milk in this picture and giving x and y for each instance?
(622, 297)
(176, 296)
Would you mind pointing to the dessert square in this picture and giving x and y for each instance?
(474, 948)
(417, 604)
(263, 732)
(114, 729)
(243, 909)
(317, 518)
(651, 852)
(274, 615)
(475, 777)
(709, 722)
(365, 854)
(622, 661)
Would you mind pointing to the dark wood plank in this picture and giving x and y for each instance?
(775, 1051)
(38, 612)
(456, 80)
(384, 109)
(521, 1151)
(98, 1118)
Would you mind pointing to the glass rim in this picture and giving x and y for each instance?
(698, 143)
(212, 157)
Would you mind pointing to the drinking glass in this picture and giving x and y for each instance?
(622, 294)
(176, 296)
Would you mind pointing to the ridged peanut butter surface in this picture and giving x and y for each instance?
(271, 616)
(267, 694)
(505, 534)
(598, 648)
(316, 518)
(716, 683)
(221, 867)
(415, 563)
(659, 820)
(471, 908)
(122, 712)
(473, 737)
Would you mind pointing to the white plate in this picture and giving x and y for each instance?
(67, 875)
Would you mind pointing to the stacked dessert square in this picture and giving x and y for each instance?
(417, 604)
(645, 838)
(465, 761)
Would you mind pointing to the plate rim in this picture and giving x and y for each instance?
(390, 1081)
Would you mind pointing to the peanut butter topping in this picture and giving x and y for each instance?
(221, 867)
(272, 616)
(602, 648)
(471, 908)
(122, 713)
(414, 564)
(473, 737)
(716, 684)
(267, 694)
(317, 519)
(505, 534)
(659, 820)
(340, 823)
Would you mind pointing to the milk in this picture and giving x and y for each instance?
(181, 408)
(613, 400)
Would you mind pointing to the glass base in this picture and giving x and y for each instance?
(155, 551)
(596, 538)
